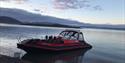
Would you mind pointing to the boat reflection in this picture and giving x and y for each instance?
(75, 56)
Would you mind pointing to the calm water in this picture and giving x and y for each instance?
(108, 45)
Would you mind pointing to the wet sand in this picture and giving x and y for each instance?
(7, 59)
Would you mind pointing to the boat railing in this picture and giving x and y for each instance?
(23, 37)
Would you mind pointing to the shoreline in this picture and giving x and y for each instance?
(61, 27)
(7, 59)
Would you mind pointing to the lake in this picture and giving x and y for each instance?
(108, 45)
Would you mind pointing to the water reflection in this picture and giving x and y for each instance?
(75, 56)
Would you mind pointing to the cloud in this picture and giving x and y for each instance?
(70, 4)
(75, 4)
(97, 7)
(15, 1)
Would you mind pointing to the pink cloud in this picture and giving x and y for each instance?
(16, 1)
(70, 4)
(74, 4)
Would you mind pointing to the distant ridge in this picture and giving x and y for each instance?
(28, 17)
(9, 20)
(19, 16)
(104, 26)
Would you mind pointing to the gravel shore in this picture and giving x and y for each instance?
(7, 59)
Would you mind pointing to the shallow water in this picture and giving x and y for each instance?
(108, 45)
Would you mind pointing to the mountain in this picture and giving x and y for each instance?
(28, 17)
(9, 20)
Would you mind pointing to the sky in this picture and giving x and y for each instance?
(86, 11)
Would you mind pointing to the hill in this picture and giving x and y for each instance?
(9, 20)
(24, 17)
(28, 17)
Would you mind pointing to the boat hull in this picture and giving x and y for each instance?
(34, 49)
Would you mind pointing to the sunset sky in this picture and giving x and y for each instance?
(87, 11)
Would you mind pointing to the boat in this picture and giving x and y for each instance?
(67, 40)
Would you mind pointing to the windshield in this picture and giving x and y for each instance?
(69, 35)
